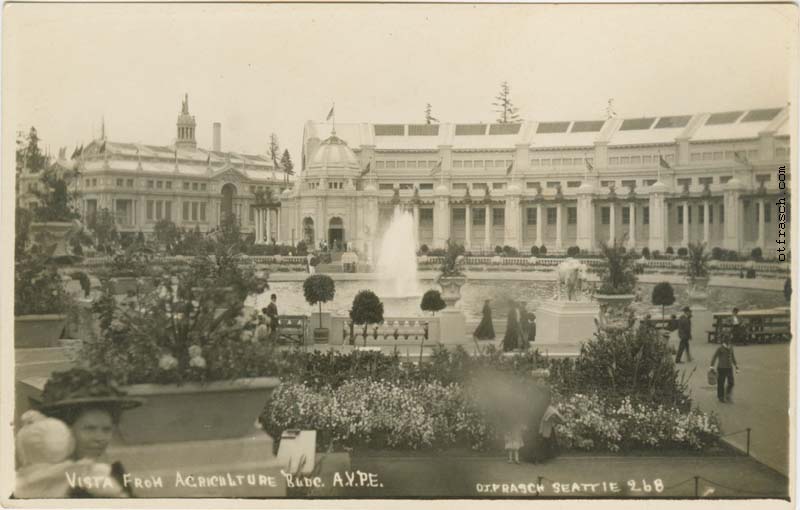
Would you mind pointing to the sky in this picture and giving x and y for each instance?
(261, 69)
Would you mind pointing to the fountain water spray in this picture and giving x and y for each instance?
(397, 258)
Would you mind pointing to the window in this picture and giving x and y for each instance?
(459, 185)
(194, 186)
(767, 213)
(534, 162)
(186, 185)
(380, 164)
(119, 183)
(636, 160)
(553, 184)
(605, 215)
(711, 214)
(411, 164)
(158, 209)
(498, 163)
(533, 185)
(459, 215)
(467, 164)
(763, 178)
(169, 184)
(426, 215)
(701, 214)
(130, 183)
(401, 164)
(386, 186)
(159, 184)
(649, 182)
(613, 161)
(552, 214)
(202, 186)
(626, 215)
(479, 185)
(479, 216)
(717, 155)
(498, 217)
(606, 184)
(724, 178)
(150, 184)
(202, 211)
(168, 210)
(706, 181)
(556, 161)
(406, 186)
(530, 214)
(426, 186)
(498, 185)
(722, 213)
(478, 164)
(572, 215)
(194, 211)
(624, 160)
(545, 162)
(685, 183)
(94, 183)
(680, 215)
(252, 214)
(391, 164)
(573, 184)
(149, 209)
(186, 210)
(630, 184)
(645, 215)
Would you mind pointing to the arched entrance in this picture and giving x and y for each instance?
(336, 234)
(228, 191)
(308, 232)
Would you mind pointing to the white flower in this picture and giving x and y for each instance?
(195, 351)
(167, 362)
(197, 362)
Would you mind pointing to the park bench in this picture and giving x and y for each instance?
(292, 329)
(389, 333)
(759, 326)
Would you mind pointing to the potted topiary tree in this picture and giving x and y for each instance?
(617, 284)
(432, 302)
(663, 295)
(318, 289)
(697, 272)
(451, 278)
(367, 309)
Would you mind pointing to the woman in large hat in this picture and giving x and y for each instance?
(90, 404)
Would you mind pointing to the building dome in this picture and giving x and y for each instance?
(659, 187)
(586, 187)
(333, 158)
(734, 184)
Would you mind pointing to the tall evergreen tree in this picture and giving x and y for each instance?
(286, 165)
(429, 118)
(505, 109)
(274, 150)
(28, 153)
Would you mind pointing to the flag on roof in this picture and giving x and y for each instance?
(741, 157)
(510, 168)
(366, 169)
(663, 163)
(102, 147)
(74, 153)
(330, 114)
(589, 165)
(437, 168)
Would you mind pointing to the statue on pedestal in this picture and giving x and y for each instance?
(572, 276)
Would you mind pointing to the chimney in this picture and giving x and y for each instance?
(217, 143)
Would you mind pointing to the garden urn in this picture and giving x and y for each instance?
(451, 288)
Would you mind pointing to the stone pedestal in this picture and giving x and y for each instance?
(565, 323)
(452, 327)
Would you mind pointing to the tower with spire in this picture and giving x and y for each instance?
(186, 126)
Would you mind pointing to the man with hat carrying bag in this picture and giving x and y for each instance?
(684, 334)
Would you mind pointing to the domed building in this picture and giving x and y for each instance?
(653, 182)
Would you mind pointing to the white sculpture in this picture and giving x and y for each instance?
(572, 274)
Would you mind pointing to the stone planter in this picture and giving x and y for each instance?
(698, 290)
(614, 310)
(52, 233)
(38, 330)
(321, 335)
(194, 411)
(451, 288)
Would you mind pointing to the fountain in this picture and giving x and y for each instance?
(397, 258)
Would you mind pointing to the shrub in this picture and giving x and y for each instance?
(498, 250)
(682, 251)
(451, 266)
(38, 288)
(367, 309)
(424, 249)
(302, 249)
(646, 252)
(432, 302)
(751, 273)
(656, 254)
(669, 250)
(717, 253)
(756, 254)
(543, 250)
(318, 289)
(697, 266)
(535, 251)
(573, 251)
(663, 295)
(618, 275)
(510, 251)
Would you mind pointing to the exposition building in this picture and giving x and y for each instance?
(653, 182)
(192, 187)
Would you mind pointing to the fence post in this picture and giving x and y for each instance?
(748, 441)
(696, 486)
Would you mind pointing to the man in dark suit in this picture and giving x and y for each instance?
(271, 311)
(685, 334)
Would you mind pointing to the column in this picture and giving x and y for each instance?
(487, 240)
(513, 232)
(415, 213)
(612, 223)
(632, 225)
(468, 226)
(706, 222)
(760, 241)
(656, 225)
(558, 225)
(258, 223)
(441, 217)
(732, 224)
(585, 228)
(539, 224)
(685, 241)
(278, 226)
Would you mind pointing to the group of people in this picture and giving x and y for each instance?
(67, 438)
(268, 323)
(723, 362)
(533, 438)
(520, 327)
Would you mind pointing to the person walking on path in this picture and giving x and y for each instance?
(524, 327)
(271, 311)
(547, 429)
(726, 361)
(513, 439)
(684, 334)
(485, 330)
(511, 338)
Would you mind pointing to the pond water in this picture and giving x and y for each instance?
(501, 294)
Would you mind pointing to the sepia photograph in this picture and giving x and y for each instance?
(361, 254)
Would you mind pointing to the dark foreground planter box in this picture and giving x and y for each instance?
(38, 330)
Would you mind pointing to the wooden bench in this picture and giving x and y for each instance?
(758, 326)
(292, 329)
